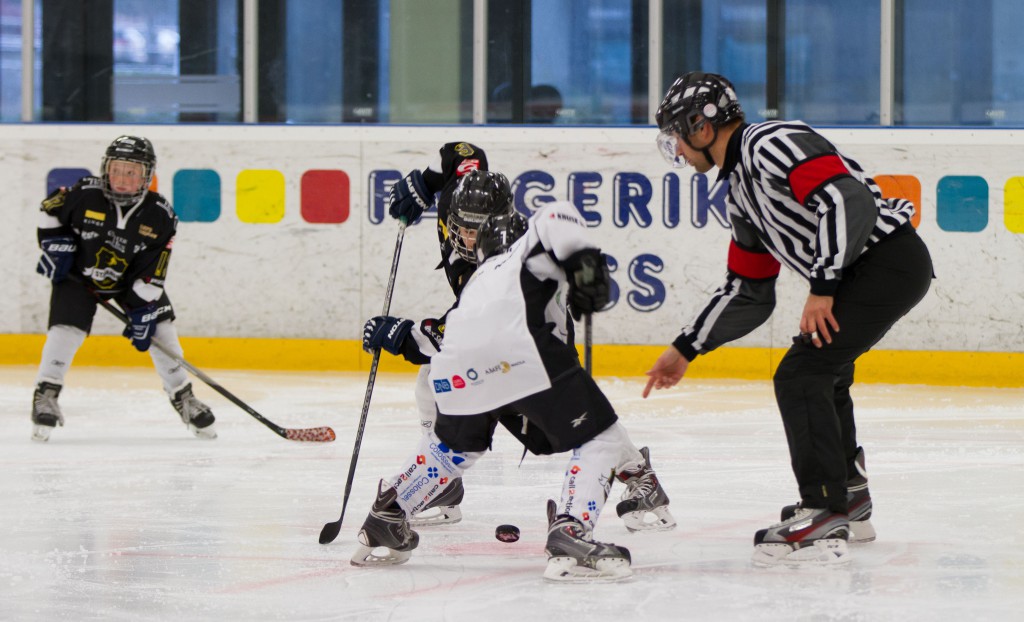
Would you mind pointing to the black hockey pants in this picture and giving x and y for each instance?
(812, 386)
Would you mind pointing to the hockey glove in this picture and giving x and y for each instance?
(589, 288)
(409, 197)
(385, 332)
(142, 323)
(57, 258)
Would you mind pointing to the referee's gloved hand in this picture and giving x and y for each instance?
(409, 197)
(385, 332)
(589, 282)
(142, 323)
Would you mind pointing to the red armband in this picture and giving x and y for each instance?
(751, 265)
(812, 174)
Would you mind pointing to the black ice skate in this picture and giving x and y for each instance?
(811, 536)
(385, 527)
(644, 497)
(46, 413)
(445, 506)
(574, 557)
(858, 500)
(195, 414)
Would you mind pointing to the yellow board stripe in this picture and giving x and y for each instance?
(979, 369)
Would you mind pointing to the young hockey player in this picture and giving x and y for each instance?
(410, 197)
(529, 369)
(110, 237)
(795, 199)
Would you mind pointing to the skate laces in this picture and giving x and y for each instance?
(641, 486)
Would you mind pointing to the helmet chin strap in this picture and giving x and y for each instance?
(707, 148)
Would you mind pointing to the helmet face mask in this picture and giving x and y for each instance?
(479, 195)
(128, 149)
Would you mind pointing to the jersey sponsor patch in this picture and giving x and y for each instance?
(94, 215)
(54, 201)
(466, 166)
(147, 231)
(442, 386)
(464, 149)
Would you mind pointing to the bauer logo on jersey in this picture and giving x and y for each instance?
(466, 166)
(442, 386)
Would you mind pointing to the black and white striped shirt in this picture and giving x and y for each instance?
(793, 199)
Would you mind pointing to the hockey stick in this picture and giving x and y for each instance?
(330, 530)
(315, 435)
(588, 344)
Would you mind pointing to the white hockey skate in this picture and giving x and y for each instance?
(385, 528)
(574, 558)
(644, 505)
(443, 509)
(196, 415)
(810, 537)
(46, 413)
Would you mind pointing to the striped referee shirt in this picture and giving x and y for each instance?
(793, 199)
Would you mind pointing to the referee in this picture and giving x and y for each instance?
(795, 200)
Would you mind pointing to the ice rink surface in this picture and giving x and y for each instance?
(123, 515)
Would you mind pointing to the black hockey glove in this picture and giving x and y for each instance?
(409, 197)
(57, 258)
(385, 332)
(142, 323)
(589, 288)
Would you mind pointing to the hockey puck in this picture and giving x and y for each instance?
(507, 533)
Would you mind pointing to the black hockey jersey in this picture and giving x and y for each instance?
(118, 250)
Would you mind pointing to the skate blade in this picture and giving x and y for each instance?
(364, 556)
(661, 520)
(824, 552)
(861, 531)
(207, 433)
(446, 515)
(566, 570)
(41, 433)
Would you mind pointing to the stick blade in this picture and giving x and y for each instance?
(311, 435)
(330, 532)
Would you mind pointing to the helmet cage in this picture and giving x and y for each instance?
(128, 149)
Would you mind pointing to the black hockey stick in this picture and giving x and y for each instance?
(330, 530)
(588, 344)
(316, 435)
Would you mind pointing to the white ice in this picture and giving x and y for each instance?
(123, 515)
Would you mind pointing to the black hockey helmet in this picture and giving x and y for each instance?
(694, 99)
(498, 233)
(130, 149)
(479, 194)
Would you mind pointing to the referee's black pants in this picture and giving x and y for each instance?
(812, 385)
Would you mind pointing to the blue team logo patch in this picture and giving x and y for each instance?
(442, 386)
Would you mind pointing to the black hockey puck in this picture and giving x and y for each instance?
(507, 533)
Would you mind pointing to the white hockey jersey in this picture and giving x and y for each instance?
(498, 339)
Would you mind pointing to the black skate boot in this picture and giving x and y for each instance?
(811, 536)
(385, 526)
(46, 413)
(446, 504)
(858, 500)
(574, 557)
(195, 414)
(644, 496)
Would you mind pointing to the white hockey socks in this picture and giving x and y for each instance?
(588, 476)
(62, 343)
(172, 374)
(429, 472)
